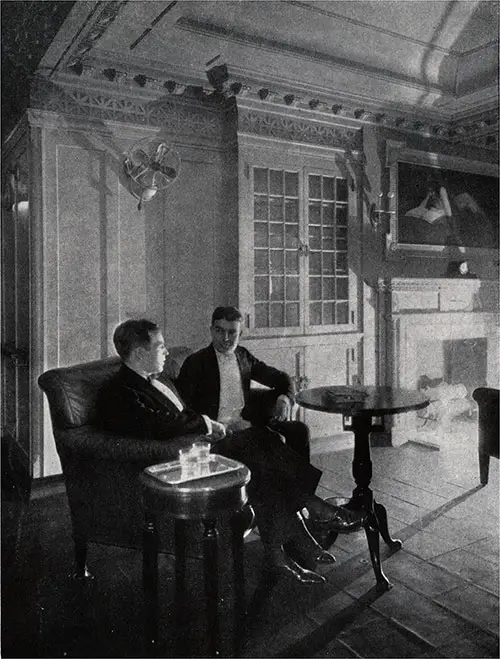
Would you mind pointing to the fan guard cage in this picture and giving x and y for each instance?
(149, 166)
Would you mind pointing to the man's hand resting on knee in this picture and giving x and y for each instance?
(218, 431)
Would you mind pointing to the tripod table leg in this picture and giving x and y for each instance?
(372, 535)
(383, 527)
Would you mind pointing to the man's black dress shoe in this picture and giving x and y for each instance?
(338, 519)
(309, 558)
(288, 567)
(324, 558)
(344, 523)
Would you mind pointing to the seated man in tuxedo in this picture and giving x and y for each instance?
(135, 402)
(216, 381)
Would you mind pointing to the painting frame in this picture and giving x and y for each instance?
(409, 172)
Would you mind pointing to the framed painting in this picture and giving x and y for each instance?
(439, 207)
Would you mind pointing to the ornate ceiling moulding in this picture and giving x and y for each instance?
(99, 27)
(481, 131)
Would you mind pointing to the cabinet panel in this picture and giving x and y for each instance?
(189, 254)
(314, 365)
(288, 359)
(328, 365)
(16, 307)
(79, 202)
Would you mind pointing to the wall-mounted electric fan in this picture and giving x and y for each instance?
(150, 166)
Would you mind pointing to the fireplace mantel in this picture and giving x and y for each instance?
(415, 312)
(440, 295)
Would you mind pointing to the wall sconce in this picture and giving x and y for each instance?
(377, 213)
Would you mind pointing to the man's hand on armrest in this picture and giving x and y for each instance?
(283, 408)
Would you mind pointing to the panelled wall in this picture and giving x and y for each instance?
(98, 260)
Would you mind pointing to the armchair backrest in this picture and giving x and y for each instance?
(72, 390)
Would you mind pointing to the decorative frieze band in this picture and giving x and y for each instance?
(168, 113)
(294, 129)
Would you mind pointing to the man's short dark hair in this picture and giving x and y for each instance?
(133, 333)
(231, 314)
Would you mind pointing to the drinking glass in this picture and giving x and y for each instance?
(189, 463)
(202, 451)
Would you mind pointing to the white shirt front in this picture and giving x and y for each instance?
(231, 399)
(169, 393)
(172, 397)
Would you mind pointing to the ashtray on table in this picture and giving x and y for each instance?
(346, 394)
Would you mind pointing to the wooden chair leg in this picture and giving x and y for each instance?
(210, 553)
(484, 467)
(238, 583)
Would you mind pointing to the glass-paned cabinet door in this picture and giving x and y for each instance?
(328, 301)
(276, 268)
(295, 272)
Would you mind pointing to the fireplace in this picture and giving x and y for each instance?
(440, 336)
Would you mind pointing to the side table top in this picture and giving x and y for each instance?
(376, 401)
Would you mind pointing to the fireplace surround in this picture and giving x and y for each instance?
(427, 329)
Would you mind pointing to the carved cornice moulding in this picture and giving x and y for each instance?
(480, 128)
(97, 28)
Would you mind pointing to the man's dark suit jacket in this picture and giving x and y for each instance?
(199, 381)
(130, 404)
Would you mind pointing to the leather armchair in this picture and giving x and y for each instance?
(488, 404)
(100, 468)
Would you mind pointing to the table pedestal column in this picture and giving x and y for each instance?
(362, 499)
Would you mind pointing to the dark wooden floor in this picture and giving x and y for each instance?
(444, 602)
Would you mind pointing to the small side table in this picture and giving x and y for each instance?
(378, 401)
(206, 499)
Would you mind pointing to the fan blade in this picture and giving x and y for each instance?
(169, 172)
(161, 152)
(139, 156)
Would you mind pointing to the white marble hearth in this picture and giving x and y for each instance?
(445, 332)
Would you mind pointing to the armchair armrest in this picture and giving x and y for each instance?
(260, 406)
(89, 443)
